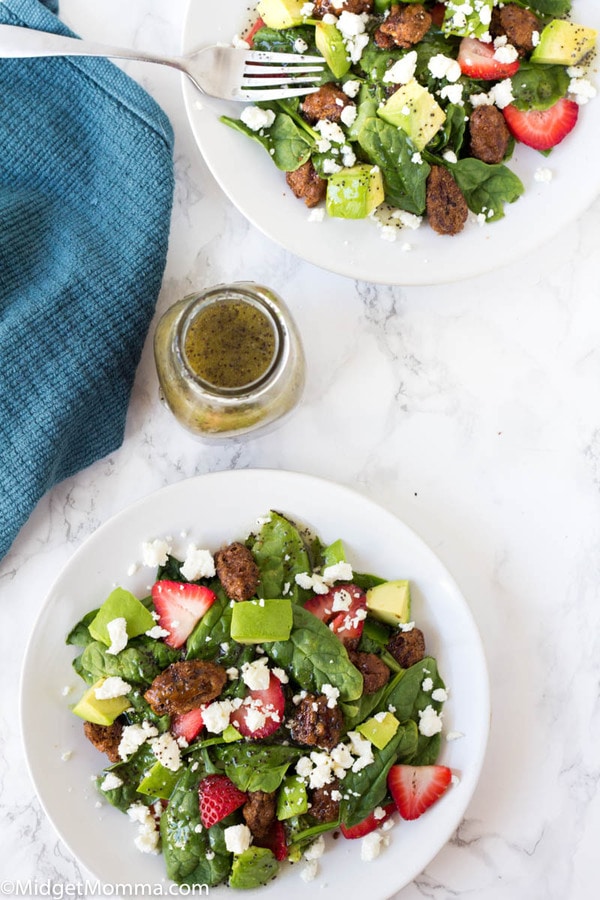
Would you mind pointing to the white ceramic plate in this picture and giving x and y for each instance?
(354, 248)
(212, 510)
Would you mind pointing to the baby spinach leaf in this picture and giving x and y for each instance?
(283, 40)
(256, 767)
(252, 868)
(407, 698)
(486, 188)
(539, 87)
(213, 629)
(131, 773)
(141, 711)
(79, 636)
(288, 145)
(280, 554)
(184, 847)
(139, 663)
(315, 656)
(362, 791)
(555, 9)
(389, 148)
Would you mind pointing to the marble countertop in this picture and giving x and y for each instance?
(470, 410)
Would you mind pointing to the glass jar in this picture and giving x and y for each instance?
(229, 360)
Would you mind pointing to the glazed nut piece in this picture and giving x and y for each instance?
(185, 685)
(105, 738)
(336, 7)
(374, 671)
(407, 647)
(405, 26)
(489, 134)
(316, 724)
(307, 185)
(259, 812)
(327, 103)
(517, 25)
(447, 209)
(237, 571)
(323, 806)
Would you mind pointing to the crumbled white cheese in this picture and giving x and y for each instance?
(112, 687)
(149, 835)
(157, 632)
(256, 118)
(117, 632)
(198, 563)
(312, 582)
(155, 553)
(362, 749)
(332, 693)
(111, 782)
(216, 715)
(316, 849)
(166, 750)
(506, 54)
(309, 871)
(341, 571)
(403, 69)
(454, 735)
(427, 684)
(133, 736)
(256, 674)
(351, 88)
(430, 721)
(543, 175)
(372, 845)
(300, 46)
(442, 66)
(502, 93)
(440, 694)
(237, 838)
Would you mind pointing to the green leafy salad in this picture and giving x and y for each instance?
(263, 694)
(420, 104)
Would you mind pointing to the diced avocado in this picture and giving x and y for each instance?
(280, 13)
(121, 604)
(379, 729)
(100, 712)
(413, 109)
(564, 43)
(334, 553)
(390, 602)
(330, 44)
(231, 734)
(253, 868)
(354, 193)
(261, 621)
(292, 799)
(158, 781)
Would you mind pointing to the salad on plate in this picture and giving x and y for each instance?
(420, 104)
(262, 695)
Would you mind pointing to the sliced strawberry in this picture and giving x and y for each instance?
(477, 60)
(274, 840)
(437, 13)
(369, 824)
(542, 128)
(180, 606)
(261, 712)
(415, 788)
(218, 797)
(343, 608)
(249, 38)
(188, 725)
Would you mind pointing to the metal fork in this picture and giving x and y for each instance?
(229, 73)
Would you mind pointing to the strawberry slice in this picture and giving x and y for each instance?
(218, 797)
(180, 606)
(249, 38)
(343, 608)
(261, 712)
(542, 128)
(415, 788)
(477, 60)
(437, 14)
(274, 840)
(369, 824)
(188, 725)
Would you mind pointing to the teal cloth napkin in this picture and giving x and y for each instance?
(86, 187)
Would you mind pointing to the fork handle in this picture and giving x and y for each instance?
(19, 43)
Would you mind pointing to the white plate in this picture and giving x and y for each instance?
(248, 177)
(213, 509)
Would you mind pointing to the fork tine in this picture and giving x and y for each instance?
(273, 80)
(290, 71)
(256, 96)
(265, 56)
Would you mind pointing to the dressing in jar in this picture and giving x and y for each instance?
(229, 360)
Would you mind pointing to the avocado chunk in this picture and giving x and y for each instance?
(564, 43)
(379, 729)
(253, 868)
(330, 44)
(261, 621)
(355, 192)
(158, 781)
(390, 602)
(280, 13)
(413, 109)
(100, 712)
(292, 799)
(121, 604)
(334, 553)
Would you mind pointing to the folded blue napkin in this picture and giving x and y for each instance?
(86, 187)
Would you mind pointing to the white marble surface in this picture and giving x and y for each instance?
(472, 411)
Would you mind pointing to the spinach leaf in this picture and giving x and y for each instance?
(486, 188)
(451, 136)
(256, 767)
(131, 773)
(280, 553)
(213, 629)
(389, 148)
(315, 656)
(406, 698)
(141, 711)
(554, 9)
(288, 145)
(79, 635)
(184, 848)
(362, 791)
(539, 87)
(283, 40)
(139, 663)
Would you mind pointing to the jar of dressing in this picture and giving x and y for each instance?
(229, 360)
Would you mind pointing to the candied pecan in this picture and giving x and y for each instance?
(105, 738)
(326, 103)
(237, 571)
(405, 26)
(259, 811)
(315, 723)
(489, 134)
(517, 25)
(447, 209)
(323, 807)
(306, 184)
(185, 685)
(374, 671)
(407, 647)
(336, 7)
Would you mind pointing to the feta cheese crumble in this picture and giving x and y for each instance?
(112, 687)
(237, 838)
(155, 553)
(256, 118)
(198, 564)
(117, 632)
